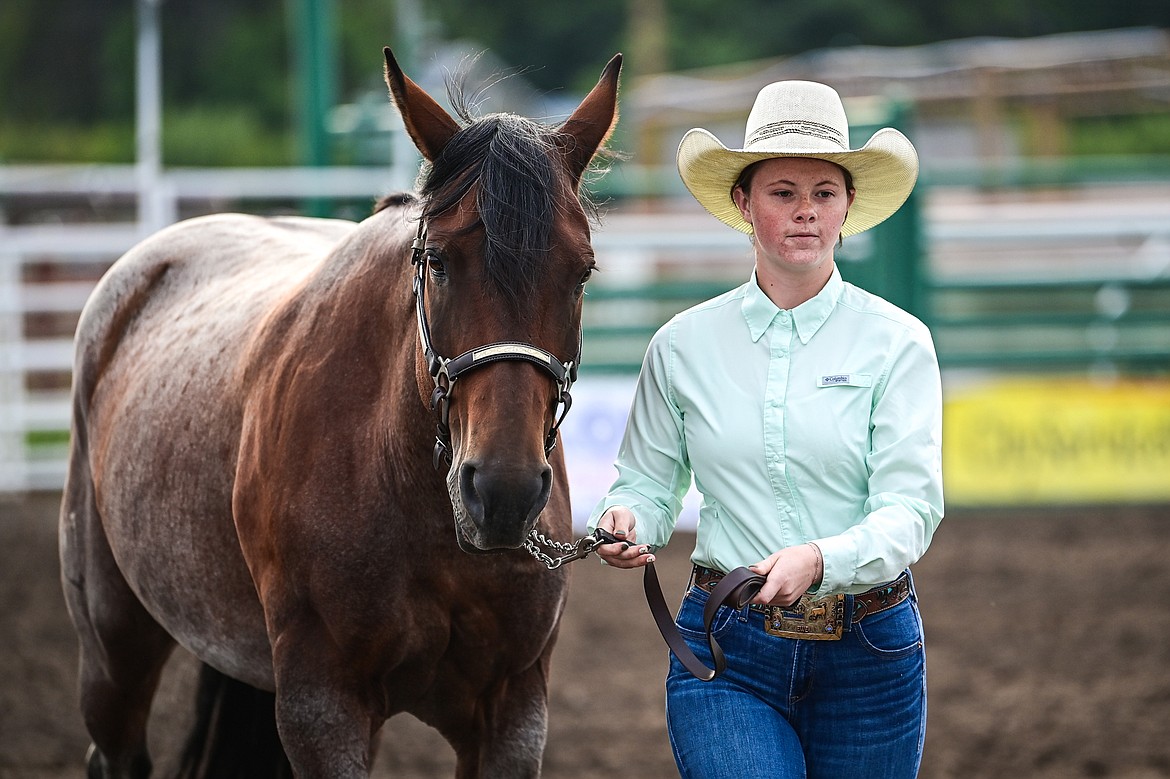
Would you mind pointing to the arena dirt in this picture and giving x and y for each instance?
(1048, 653)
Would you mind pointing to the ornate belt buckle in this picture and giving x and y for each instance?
(811, 620)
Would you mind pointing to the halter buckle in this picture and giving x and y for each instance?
(441, 453)
(437, 396)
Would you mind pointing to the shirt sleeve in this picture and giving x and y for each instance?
(653, 469)
(905, 503)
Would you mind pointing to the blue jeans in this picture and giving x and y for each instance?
(797, 708)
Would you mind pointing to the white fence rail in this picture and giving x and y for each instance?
(968, 237)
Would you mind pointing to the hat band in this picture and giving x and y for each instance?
(822, 132)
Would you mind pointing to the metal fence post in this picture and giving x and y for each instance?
(313, 45)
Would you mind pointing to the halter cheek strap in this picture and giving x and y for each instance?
(446, 371)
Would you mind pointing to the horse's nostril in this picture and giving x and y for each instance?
(472, 502)
(504, 502)
(545, 487)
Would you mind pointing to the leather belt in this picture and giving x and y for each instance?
(878, 599)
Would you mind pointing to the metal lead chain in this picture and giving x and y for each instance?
(567, 553)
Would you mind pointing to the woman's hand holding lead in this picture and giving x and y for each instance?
(620, 521)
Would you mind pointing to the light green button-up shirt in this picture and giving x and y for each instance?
(821, 423)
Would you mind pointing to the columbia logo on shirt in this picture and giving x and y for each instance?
(844, 379)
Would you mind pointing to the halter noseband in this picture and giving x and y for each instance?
(445, 371)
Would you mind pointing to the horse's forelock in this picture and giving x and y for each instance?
(510, 158)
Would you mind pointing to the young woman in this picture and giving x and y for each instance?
(808, 412)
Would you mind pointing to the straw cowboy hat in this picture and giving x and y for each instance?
(801, 119)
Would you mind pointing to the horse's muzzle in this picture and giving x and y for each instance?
(499, 505)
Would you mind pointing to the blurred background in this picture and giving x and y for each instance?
(1036, 246)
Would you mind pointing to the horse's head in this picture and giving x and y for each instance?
(502, 260)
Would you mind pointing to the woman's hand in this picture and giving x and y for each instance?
(620, 521)
(791, 573)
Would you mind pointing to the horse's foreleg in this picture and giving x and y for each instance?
(514, 731)
(324, 722)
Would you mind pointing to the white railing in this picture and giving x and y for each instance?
(38, 414)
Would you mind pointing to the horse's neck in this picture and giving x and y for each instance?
(359, 318)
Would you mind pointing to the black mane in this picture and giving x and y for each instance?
(511, 159)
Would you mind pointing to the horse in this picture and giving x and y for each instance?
(254, 405)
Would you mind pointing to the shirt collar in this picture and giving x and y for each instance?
(760, 311)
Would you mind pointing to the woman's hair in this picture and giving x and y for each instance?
(745, 177)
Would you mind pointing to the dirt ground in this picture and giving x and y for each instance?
(1048, 646)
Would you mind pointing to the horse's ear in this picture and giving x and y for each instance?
(429, 126)
(592, 123)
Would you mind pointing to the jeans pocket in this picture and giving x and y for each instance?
(690, 616)
(893, 633)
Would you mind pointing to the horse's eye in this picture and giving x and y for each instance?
(436, 267)
(584, 280)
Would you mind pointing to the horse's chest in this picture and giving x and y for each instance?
(467, 644)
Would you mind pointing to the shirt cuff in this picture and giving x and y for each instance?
(839, 555)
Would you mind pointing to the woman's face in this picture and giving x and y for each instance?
(796, 206)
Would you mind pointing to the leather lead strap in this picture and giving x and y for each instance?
(736, 589)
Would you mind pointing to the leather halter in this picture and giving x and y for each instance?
(446, 371)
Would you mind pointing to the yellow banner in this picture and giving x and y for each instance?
(1057, 441)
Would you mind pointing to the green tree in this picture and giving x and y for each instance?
(67, 66)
